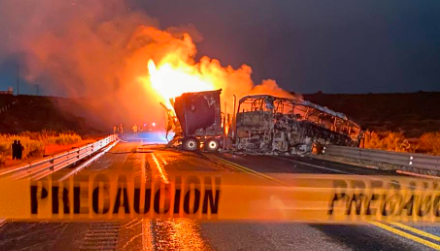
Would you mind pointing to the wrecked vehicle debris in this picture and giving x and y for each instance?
(268, 124)
(263, 124)
(199, 115)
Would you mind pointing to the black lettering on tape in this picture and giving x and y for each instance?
(408, 205)
(76, 200)
(177, 195)
(372, 211)
(212, 200)
(424, 205)
(186, 201)
(436, 206)
(336, 197)
(36, 196)
(137, 201)
(209, 200)
(105, 198)
(358, 200)
(121, 195)
(157, 196)
(56, 199)
(389, 204)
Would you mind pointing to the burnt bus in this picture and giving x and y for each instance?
(200, 119)
(266, 123)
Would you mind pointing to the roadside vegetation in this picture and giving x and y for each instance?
(396, 141)
(35, 143)
(430, 143)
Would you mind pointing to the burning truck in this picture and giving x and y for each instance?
(262, 124)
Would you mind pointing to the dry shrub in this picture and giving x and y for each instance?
(50, 137)
(44, 135)
(393, 141)
(67, 139)
(34, 143)
(430, 142)
(3, 154)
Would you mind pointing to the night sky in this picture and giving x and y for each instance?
(342, 46)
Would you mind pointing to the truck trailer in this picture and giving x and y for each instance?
(199, 116)
(262, 124)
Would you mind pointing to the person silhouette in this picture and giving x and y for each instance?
(14, 149)
(20, 149)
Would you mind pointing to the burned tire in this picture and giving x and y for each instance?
(190, 144)
(211, 145)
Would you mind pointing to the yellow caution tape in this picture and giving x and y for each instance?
(220, 196)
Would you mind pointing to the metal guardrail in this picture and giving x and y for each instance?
(409, 160)
(59, 161)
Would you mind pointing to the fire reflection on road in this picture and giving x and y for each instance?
(178, 234)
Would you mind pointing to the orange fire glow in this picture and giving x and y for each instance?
(172, 81)
(172, 70)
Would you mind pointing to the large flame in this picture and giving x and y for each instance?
(110, 50)
(170, 81)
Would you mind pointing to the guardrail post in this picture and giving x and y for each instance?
(52, 162)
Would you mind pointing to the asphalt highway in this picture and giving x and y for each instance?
(187, 234)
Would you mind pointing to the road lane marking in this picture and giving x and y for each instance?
(163, 160)
(416, 231)
(160, 169)
(248, 170)
(406, 235)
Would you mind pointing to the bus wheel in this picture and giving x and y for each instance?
(211, 145)
(190, 144)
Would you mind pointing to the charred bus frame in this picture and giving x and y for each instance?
(266, 123)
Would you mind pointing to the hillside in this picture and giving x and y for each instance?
(410, 113)
(35, 113)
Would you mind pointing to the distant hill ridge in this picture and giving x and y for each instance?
(35, 113)
(410, 113)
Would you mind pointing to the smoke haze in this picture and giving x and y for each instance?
(100, 49)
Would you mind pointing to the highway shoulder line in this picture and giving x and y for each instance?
(406, 235)
(416, 231)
